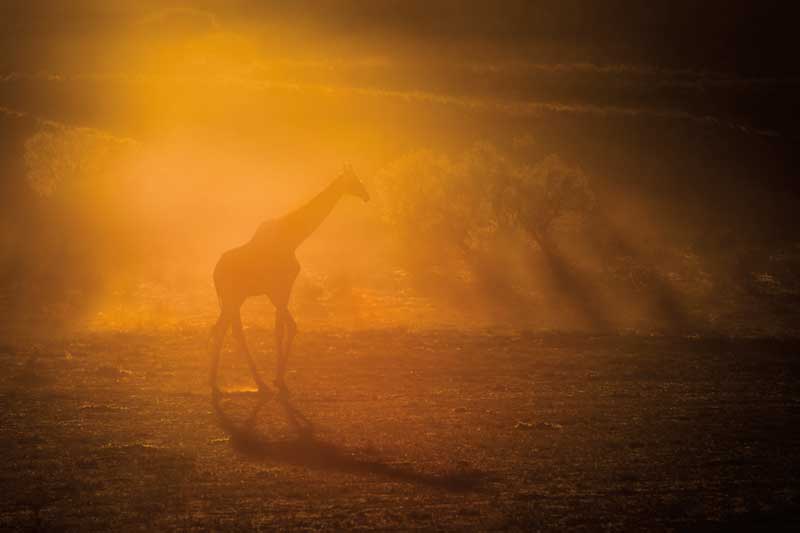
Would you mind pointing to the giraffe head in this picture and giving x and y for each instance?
(351, 184)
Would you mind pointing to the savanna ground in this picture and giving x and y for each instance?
(401, 429)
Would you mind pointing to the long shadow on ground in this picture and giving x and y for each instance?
(306, 449)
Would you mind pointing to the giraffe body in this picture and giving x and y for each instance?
(262, 266)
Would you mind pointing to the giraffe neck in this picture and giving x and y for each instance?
(302, 222)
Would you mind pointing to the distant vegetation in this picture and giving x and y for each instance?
(491, 232)
(542, 242)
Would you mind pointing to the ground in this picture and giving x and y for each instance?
(398, 429)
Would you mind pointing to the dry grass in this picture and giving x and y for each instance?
(391, 429)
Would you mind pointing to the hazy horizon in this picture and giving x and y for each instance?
(142, 139)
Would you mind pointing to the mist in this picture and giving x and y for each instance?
(552, 206)
(399, 265)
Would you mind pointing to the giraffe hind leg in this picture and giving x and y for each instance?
(238, 335)
(216, 340)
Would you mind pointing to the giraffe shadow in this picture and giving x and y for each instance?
(304, 448)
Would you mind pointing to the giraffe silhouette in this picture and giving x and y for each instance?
(267, 265)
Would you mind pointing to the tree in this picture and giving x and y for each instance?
(60, 158)
(74, 228)
(535, 198)
(464, 202)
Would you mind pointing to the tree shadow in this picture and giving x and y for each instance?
(595, 306)
(664, 302)
(307, 450)
(578, 290)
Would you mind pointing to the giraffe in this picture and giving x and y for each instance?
(267, 265)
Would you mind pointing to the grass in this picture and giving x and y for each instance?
(393, 429)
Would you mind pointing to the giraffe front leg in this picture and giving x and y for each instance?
(289, 329)
(280, 360)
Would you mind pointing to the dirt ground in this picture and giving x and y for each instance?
(395, 429)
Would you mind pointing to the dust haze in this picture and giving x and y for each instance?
(509, 191)
(571, 302)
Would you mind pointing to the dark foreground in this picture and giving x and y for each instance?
(399, 430)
